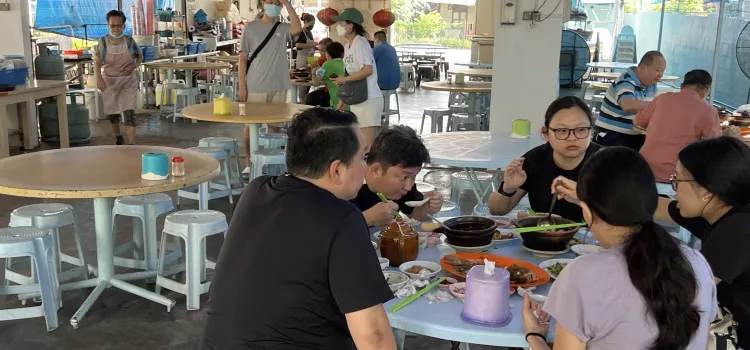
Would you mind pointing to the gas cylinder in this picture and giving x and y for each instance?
(49, 65)
(78, 120)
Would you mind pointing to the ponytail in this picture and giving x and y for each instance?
(662, 274)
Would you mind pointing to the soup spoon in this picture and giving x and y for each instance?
(417, 204)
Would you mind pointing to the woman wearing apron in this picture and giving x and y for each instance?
(305, 48)
(119, 57)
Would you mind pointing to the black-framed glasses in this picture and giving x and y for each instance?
(564, 133)
(673, 180)
(116, 25)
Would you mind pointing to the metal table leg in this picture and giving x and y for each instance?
(105, 260)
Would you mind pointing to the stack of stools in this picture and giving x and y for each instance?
(216, 190)
(436, 117)
(144, 210)
(265, 157)
(460, 181)
(193, 226)
(167, 103)
(272, 140)
(408, 77)
(232, 149)
(190, 96)
(51, 217)
(39, 245)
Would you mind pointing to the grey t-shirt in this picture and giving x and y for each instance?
(595, 300)
(269, 72)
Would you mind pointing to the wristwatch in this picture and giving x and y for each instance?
(500, 190)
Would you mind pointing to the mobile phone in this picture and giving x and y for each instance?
(334, 76)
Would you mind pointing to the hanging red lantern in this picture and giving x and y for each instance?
(324, 16)
(383, 18)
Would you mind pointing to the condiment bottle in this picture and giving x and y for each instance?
(178, 166)
(242, 108)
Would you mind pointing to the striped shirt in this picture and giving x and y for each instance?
(611, 115)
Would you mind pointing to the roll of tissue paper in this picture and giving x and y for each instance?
(154, 166)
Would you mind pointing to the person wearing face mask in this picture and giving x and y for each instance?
(266, 78)
(305, 46)
(116, 59)
(675, 120)
(628, 95)
(360, 65)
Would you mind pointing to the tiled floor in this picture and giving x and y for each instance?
(122, 321)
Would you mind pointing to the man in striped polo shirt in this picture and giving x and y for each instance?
(624, 99)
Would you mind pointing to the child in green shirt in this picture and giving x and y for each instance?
(334, 66)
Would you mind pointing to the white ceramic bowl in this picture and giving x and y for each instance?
(547, 263)
(583, 249)
(383, 263)
(454, 289)
(395, 279)
(434, 267)
(374, 245)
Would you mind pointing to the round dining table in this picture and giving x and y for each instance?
(472, 90)
(188, 67)
(613, 76)
(255, 115)
(443, 320)
(101, 173)
(473, 72)
(477, 149)
(614, 66)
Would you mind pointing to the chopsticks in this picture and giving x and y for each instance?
(546, 228)
(401, 304)
(385, 200)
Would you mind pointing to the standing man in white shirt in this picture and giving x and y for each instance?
(265, 78)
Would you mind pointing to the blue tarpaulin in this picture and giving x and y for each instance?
(53, 13)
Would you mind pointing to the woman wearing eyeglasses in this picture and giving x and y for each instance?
(712, 185)
(567, 130)
(119, 56)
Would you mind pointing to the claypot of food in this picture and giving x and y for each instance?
(470, 231)
(550, 241)
(399, 243)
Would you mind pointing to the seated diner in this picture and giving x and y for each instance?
(567, 128)
(298, 235)
(393, 162)
(643, 291)
(675, 120)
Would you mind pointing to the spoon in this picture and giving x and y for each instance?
(417, 204)
(439, 222)
(547, 220)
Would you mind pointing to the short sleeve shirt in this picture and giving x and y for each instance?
(389, 72)
(269, 71)
(295, 260)
(595, 300)
(334, 66)
(541, 170)
(366, 199)
(725, 245)
(357, 54)
(611, 115)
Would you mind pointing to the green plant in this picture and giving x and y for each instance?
(671, 6)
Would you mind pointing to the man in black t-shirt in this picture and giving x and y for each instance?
(395, 159)
(297, 269)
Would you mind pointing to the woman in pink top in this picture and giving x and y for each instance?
(675, 120)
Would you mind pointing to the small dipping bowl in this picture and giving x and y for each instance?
(383, 263)
(447, 282)
(458, 290)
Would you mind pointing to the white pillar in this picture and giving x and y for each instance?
(525, 68)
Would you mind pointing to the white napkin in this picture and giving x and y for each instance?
(439, 296)
(410, 288)
(489, 267)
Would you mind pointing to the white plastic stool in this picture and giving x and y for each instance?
(39, 245)
(436, 116)
(193, 226)
(216, 190)
(469, 123)
(459, 109)
(272, 140)
(49, 216)
(408, 77)
(424, 187)
(206, 89)
(232, 149)
(144, 210)
(387, 111)
(191, 96)
(460, 181)
(481, 210)
(265, 157)
(449, 209)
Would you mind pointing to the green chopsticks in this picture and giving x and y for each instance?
(547, 228)
(415, 296)
(385, 200)
(531, 211)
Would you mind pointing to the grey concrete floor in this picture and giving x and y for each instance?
(121, 321)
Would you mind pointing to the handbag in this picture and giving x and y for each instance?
(353, 92)
(261, 46)
(722, 332)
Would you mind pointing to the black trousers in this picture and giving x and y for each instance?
(609, 138)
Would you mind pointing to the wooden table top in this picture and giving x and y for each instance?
(613, 76)
(466, 87)
(255, 113)
(34, 84)
(228, 59)
(473, 72)
(188, 65)
(96, 172)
